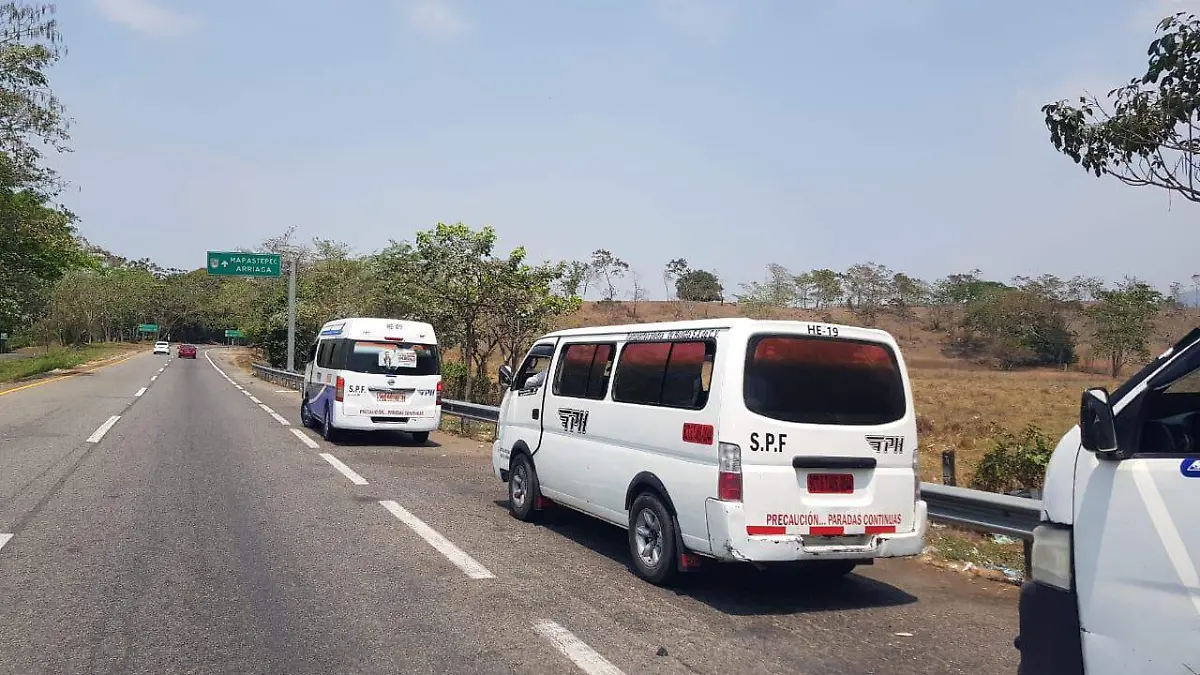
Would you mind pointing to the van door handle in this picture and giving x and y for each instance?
(833, 462)
(536, 412)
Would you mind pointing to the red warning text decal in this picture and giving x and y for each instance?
(833, 519)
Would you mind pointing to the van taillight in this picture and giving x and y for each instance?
(340, 393)
(729, 472)
(439, 393)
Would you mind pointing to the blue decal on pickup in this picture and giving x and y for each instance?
(1190, 468)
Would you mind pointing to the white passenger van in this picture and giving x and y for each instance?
(731, 439)
(1114, 586)
(371, 375)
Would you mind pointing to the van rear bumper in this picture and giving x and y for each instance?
(727, 535)
(365, 423)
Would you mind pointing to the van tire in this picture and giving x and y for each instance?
(420, 437)
(652, 540)
(523, 489)
(306, 417)
(328, 431)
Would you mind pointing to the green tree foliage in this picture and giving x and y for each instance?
(1017, 328)
(827, 288)
(1123, 320)
(608, 269)
(699, 286)
(1148, 133)
(1017, 462)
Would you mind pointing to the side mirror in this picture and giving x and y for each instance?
(506, 376)
(1097, 428)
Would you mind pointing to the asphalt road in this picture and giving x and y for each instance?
(206, 532)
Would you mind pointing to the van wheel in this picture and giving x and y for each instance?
(523, 489)
(306, 417)
(328, 431)
(652, 539)
(420, 437)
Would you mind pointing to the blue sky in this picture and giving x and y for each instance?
(731, 133)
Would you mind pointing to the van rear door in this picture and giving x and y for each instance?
(390, 380)
(828, 437)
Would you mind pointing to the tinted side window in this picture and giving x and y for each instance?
(583, 371)
(323, 354)
(640, 372)
(672, 374)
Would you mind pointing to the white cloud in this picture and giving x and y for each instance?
(708, 20)
(436, 19)
(148, 17)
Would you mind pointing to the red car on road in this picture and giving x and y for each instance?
(187, 351)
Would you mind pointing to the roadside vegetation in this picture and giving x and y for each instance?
(58, 358)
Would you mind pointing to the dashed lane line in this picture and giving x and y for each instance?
(345, 470)
(583, 656)
(305, 439)
(99, 433)
(443, 545)
(4, 538)
(140, 392)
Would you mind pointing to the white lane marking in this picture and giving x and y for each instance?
(140, 392)
(305, 439)
(99, 433)
(266, 408)
(4, 538)
(346, 471)
(239, 387)
(443, 545)
(575, 649)
(162, 369)
(286, 391)
(281, 419)
(153, 378)
(1167, 531)
(255, 399)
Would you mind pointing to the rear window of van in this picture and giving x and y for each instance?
(812, 380)
(364, 357)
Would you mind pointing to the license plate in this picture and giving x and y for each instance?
(831, 483)
(395, 396)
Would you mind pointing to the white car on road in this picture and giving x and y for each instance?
(162, 348)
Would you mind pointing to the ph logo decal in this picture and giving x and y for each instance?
(573, 421)
(1190, 468)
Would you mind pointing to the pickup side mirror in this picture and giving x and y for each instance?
(1097, 427)
(506, 376)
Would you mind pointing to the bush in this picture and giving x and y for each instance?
(454, 379)
(1015, 462)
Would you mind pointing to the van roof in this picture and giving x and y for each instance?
(358, 328)
(734, 322)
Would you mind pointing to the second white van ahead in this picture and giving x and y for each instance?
(737, 440)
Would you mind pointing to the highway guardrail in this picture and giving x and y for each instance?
(971, 509)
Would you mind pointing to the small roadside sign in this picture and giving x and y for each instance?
(148, 328)
(230, 333)
(227, 264)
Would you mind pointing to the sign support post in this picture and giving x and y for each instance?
(291, 340)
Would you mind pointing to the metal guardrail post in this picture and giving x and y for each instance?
(949, 474)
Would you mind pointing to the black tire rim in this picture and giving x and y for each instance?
(648, 538)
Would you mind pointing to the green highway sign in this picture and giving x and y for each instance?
(222, 263)
(148, 328)
(230, 333)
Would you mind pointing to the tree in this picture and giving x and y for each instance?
(827, 287)
(1018, 328)
(867, 287)
(804, 289)
(1149, 134)
(673, 271)
(778, 290)
(574, 279)
(699, 286)
(31, 117)
(609, 269)
(458, 282)
(1123, 319)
